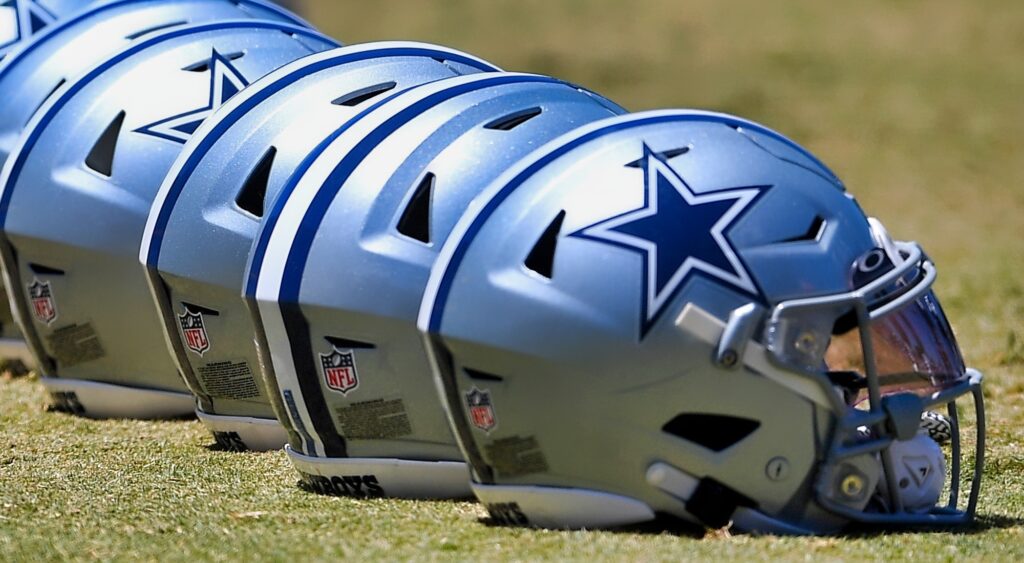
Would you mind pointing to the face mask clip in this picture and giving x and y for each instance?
(743, 322)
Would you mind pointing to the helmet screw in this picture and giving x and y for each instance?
(777, 468)
(728, 358)
(852, 485)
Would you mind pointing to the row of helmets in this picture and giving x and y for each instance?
(394, 259)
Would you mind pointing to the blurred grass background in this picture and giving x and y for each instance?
(916, 104)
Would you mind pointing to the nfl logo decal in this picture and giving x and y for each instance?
(340, 370)
(43, 306)
(194, 332)
(480, 410)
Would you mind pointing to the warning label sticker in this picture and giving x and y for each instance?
(228, 380)
(376, 419)
(75, 344)
(516, 456)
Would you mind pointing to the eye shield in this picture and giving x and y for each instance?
(887, 347)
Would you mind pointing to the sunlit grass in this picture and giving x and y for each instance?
(916, 105)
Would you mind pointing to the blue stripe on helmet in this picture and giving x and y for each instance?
(78, 85)
(211, 138)
(102, 9)
(462, 245)
(298, 254)
(299, 251)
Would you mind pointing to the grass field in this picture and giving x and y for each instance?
(916, 104)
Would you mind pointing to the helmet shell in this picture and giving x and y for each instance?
(206, 215)
(62, 49)
(21, 20)
(76, 193)
(57, 56)
(340, 264)
(558, 312)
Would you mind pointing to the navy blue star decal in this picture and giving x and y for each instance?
(20, 19)
(678, 233)
(225, 82)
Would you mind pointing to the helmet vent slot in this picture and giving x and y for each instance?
(415, 221)
(101, 158)
(193, 308)
(455, 70)
(252, 197)
(348, 343)
(363, 94)
(669, 154)
(541, 258)
(46, 99)
(204, 65)
(513, 120)
(813, 233)
(148, 30)
(478, 375)
(42, 270)
(713, 431)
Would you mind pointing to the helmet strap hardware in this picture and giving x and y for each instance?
(739, 329)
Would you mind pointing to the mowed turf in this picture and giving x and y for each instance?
(916, 104)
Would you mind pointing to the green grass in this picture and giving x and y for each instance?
(916, 105)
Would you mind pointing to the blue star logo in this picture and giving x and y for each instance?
(225, 82)
(678, 234)
(20, 19)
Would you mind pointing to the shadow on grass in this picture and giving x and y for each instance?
(982, 523)
(666, 524)
(662, 524)
(340, 488)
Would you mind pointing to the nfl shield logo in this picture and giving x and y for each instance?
(340, 370)
(43, 306)
(194, 332)
(481, 412)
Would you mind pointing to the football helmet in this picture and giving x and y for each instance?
(20, 20)
(685, 313)
(61, 51)
(340, 262)
(203, 221)
(76, 192)
(34, 73)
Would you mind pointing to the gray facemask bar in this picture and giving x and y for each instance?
(899, 413)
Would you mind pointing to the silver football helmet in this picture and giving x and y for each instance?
(59, 52)
(340, 263)
(36, 72)
(202, 224)
(21, 20)
(685, 313)
(76, 192)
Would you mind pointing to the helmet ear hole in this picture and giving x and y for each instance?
(712, 431)
(101, 157)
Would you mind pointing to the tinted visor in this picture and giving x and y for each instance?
(911, 346)
(914, 350)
